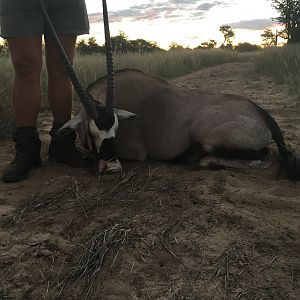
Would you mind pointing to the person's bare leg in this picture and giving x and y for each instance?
(62, 147)
(26, 54)
(60, 92)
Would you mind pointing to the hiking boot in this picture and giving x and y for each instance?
(62, 148)
(28, 146)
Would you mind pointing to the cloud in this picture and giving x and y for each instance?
(206, 6)
(183, 1)
(176, 10)
(135, 13)
(255, 24)
(95, 18)
(197, 15)
(172, 9)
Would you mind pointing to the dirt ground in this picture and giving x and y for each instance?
(159, 231)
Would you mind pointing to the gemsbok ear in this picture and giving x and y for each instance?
(74, 122)
(124, 114)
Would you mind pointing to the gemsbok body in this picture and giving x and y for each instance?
(169, 122)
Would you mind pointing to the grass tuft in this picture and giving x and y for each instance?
(283, 65)
(94, 254)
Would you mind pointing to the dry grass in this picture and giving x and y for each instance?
(167, 230)
(282, 64)
(66, 193)
(89, 265)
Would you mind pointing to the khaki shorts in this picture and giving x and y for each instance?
(20, 18)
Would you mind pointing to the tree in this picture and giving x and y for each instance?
(89, 47)
(228, 36)
(208, 45)
(82, 47)
(289, 16)
(4, 47)
(120, 43)
(175, 46)
(142, 46)
(269, 38)
(246, 47)
(93, 47)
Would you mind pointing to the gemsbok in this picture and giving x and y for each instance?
(168, 122)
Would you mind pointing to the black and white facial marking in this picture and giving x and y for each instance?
(99, 135)
(103, 132)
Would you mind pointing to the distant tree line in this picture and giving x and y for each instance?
(120, 45)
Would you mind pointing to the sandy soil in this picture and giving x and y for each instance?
(159, 231)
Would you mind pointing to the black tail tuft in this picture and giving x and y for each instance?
(290, 162)
(289, 159)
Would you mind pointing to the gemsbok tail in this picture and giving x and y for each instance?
(289, 159)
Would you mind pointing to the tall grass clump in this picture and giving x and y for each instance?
(282, 64)
(6, 114)
(169, 64)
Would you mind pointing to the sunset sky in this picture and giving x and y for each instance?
(187, 22)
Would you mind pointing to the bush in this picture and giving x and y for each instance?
(246, 47)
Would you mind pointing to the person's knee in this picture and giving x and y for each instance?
(57, 71)
(27, 67)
